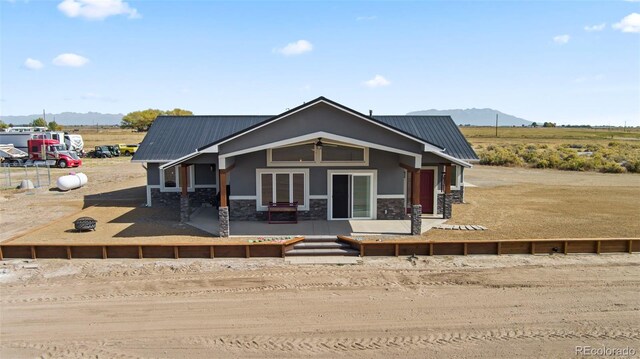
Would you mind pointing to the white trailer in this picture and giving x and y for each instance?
(17, 139)
(74, 143)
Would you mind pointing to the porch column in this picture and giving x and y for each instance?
(416, 207)
(184, 194)
(223, 208)
(448, 197)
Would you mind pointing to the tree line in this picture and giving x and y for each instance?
(142, 120)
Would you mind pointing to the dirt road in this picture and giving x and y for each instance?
(485, 306)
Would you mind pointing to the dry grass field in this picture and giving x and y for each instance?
(551, 135)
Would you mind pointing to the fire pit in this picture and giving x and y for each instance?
(85, 224)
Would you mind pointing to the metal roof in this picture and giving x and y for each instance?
(439, 130)
(172, 137)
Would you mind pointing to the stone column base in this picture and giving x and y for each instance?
(184, 209)
(446, 210)
(416, 221)
(223, 217)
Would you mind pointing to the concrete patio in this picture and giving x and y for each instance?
(206, 219)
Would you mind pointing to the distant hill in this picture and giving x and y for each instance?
(68, 118)
(477, 117)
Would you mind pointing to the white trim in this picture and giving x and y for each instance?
(435, 186)
(391, 196)
(452, 159)
(249, 198)
(290, 171)
(178, 160)
(427, 146)
(178, 187)
(318, 196)
(317, 157)
(315, 135)
(373, 195)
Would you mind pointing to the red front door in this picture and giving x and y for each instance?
(426, 191)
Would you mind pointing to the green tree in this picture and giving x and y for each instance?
(178, 112)
(39, 122)
(53, 126)
(535, 124)
(142, 120)
(3, 125)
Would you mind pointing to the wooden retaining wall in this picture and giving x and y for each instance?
(497, 247)
(174, 251)
(366, 248)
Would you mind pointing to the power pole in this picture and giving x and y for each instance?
(496, 125)
(44, 115)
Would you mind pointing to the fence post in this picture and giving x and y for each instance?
(38, 175)
(48, 175)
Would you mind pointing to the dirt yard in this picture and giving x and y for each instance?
(474, 307)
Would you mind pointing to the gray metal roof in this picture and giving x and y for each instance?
(438, 130)
(172, 137)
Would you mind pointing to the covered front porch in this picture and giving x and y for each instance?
(206, 219)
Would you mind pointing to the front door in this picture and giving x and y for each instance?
(426, 191)
(341, 197)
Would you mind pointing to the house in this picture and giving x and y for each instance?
(336, 163)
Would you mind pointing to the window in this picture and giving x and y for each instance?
(308, 154)
(283, 185)
(339, 153)
(297, 153)
(170, 179)
(454, 176)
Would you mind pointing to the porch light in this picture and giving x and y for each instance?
(319, 143)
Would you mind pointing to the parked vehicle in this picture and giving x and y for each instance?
(10, 154)
(115, 151)
(47, 149)
(74, 143)
(19, 140)
(128, 150)
(100, 152)
(25, 129)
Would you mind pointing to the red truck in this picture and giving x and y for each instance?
(53, 150)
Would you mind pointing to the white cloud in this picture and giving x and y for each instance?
(630, 23)
(366, 18)
(32, 64)
(594, 28)
(295, 48)
(70, 60)
(377, 81)
(561, 39)
(97, 9)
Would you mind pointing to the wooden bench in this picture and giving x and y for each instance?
(284, 207)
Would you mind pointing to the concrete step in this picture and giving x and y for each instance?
(320, 245)
(320, 238)
(323, 252)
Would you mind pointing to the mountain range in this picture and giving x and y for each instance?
(472, 116)
(477, 117)
(68, 118)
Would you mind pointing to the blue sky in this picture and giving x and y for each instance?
(567, 62)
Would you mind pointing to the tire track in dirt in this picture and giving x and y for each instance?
(71, 350)
(318, 345)
(201, 292)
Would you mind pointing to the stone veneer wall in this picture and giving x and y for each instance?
(172, 199)
(245, 210)
(457, 196)
(393, 206)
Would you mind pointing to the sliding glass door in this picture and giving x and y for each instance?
(352, 195)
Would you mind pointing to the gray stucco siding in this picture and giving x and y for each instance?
(153, 174)
(321, 117)
(205, 174)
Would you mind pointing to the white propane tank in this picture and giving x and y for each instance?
(71, 181)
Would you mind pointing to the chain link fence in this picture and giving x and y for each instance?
(12, 174)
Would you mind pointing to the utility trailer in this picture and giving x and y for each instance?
(10, 154)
